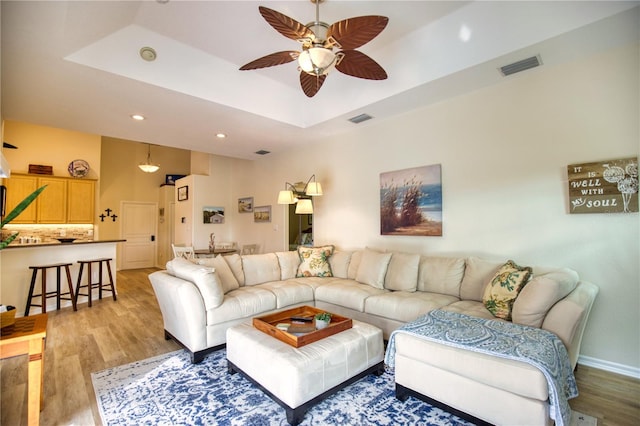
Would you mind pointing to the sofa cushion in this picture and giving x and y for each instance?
(354, 264)
(477, 273)
(470, 307)
(235, 264)
(441, 275)
(347, 293)
(402, 272)
(540, 294)
(314, 261)
(226, 277)
(339, 262)
(290, 292)
(260, 268)
(243, 302)
(503, 289)
(405, 306)
(203, 277)
(288, 261)
(373, 268)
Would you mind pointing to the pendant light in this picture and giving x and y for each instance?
(148, 166)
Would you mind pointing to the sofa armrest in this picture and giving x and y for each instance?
(568, 318)
(182, 308)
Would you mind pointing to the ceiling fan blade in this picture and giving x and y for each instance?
(354, 32)
(271, 60)
(286, 26)
(357, 64)
(311, 83)
(8, 145)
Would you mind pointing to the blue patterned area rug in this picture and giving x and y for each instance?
(169, 390)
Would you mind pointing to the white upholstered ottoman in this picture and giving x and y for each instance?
(298, 378)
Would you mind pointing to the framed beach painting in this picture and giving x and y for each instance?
(411, 201)
(262, 214)
(245, 205)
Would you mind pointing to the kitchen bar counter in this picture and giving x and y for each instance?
(59, 244)
(15, 274)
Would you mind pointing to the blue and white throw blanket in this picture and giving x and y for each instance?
(540, 348)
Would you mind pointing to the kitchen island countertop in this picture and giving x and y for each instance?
(59, 244)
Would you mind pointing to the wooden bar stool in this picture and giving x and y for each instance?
(98, 284)
(44, 294)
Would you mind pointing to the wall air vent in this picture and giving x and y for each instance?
(522, 65)
(263, 152)
(360, 118)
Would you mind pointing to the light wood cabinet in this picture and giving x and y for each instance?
(80, 201)
(51, 204)
(65, 200)
(18, 188)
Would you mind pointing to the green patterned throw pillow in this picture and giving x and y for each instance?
(503, 289)
(314, 261)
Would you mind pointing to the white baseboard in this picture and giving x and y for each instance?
(612, 367)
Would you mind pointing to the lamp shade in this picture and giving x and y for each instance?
(148, 168)
(286, 197)
(314, 189)
(304, 207)
(317, 60)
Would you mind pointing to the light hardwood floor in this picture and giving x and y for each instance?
(130, 329)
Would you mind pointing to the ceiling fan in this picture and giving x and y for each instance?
(318, 41)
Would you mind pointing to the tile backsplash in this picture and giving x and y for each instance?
(36, 234)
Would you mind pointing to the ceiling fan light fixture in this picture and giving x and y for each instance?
(317, 60)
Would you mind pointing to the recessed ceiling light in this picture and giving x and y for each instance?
(221, 135)
(137, 117)
(148, 53)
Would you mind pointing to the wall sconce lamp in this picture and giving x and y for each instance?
(148, 166)
(297, 193)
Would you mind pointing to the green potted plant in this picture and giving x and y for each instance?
(14, 213)
(322, 320)
(8, 313)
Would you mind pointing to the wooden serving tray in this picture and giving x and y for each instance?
(268, 324)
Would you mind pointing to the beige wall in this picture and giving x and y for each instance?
(504, 151)
(49, 146)
(122, 180)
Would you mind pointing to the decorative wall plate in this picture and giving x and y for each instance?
(78, 168)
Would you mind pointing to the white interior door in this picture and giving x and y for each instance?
(139, 226)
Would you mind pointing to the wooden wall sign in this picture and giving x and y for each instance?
(604, 186)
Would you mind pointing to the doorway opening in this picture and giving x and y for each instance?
(300, 229)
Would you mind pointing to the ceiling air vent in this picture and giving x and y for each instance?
(263, 152)
(360, 118)
(522, 65)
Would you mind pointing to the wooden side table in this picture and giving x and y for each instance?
(27, 337)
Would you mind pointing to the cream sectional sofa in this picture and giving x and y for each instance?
(199, 302)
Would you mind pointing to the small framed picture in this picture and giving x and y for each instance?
(213, 215)
(262, 214)
(245, 205)
(171, 179)
(183, 193)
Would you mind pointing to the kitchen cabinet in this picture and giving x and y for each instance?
(66, 200)
(80, 201)
(51, 204)
(18, 188)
